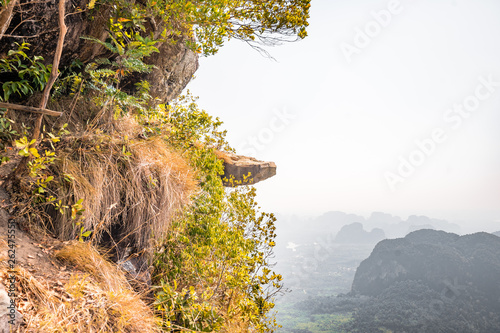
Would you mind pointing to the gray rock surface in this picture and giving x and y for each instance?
(10, 318)
(175, 64)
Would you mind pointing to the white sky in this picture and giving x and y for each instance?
(352, 121)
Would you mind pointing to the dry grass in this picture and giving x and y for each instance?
(100, 301)
(132, 188)
(4, 249)
(84, 257)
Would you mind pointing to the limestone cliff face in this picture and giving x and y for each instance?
(440, 260)
(175, 64)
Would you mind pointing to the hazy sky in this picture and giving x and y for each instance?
(387, 106)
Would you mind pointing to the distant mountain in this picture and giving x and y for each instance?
(496, 233)
(382, 220)
(432, 257)
(430, 281)
(393, 226)
(307, 230)
(396, 227)
(437, 224)
(413, 228)
(333, 221)
(355, 234)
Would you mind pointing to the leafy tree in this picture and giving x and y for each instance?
(211, 23)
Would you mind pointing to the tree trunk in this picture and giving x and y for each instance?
(6, 16)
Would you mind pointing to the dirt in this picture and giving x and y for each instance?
(33, 253)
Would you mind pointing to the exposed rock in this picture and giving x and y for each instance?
(355, 234)
(136, 266)
(10, 318)
(175, 64)
(174, 68)
(243, 170)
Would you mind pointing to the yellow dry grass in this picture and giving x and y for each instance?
(97, 298)
(134, 187)
(3, 250)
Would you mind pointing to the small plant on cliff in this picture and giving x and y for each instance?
(28, 74)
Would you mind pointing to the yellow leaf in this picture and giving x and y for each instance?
(34, 152)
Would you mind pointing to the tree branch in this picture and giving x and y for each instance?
(55, 69)
(30, 109)
(6, 16)
(18, 173)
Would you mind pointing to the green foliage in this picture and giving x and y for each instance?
(214, 266)
(105, 75)
(7, 133)
(32, 74)
(70, 81)
(40, 193)
(210, 23)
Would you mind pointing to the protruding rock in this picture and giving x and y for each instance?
(243, 170)
(175, 65)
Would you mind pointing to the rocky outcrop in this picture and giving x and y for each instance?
(355, 234)
(243, 170)
(175, 64)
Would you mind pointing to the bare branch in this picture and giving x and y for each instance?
(33, 2)
(23, 164)
(32, 36)
(55, 69)
(30, 109)
(23, 21)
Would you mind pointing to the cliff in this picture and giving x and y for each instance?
(118, 219)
